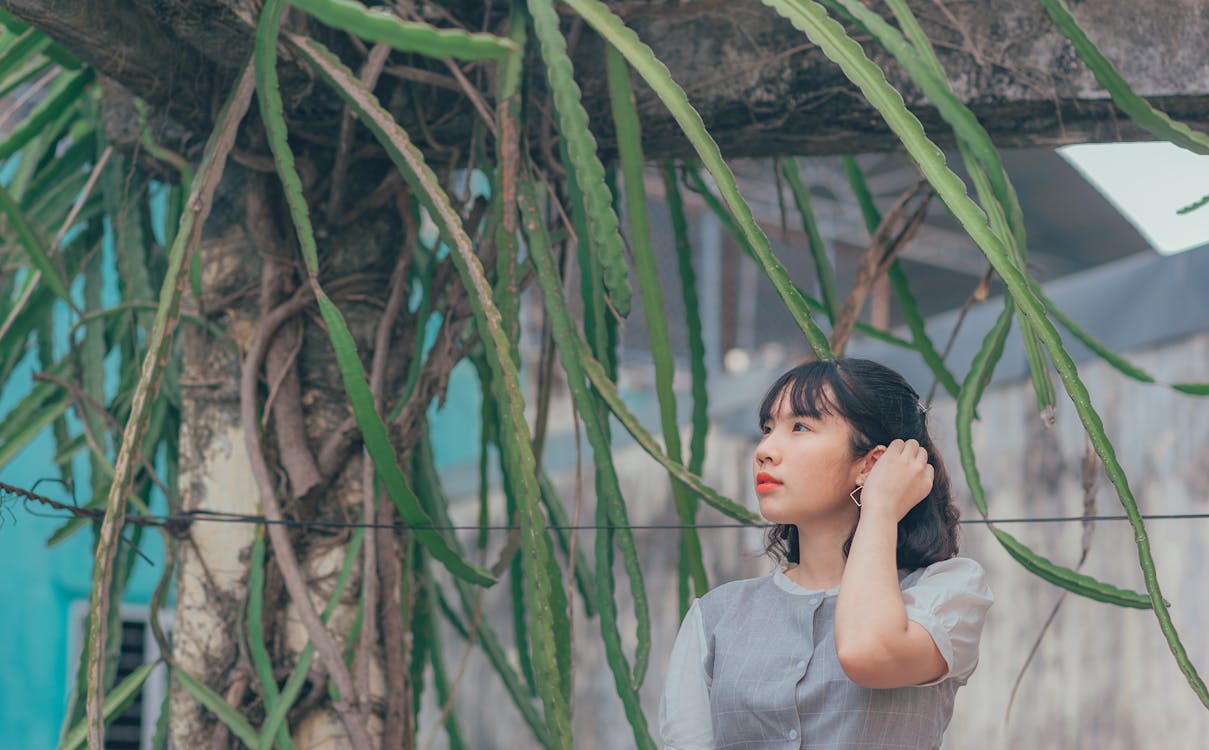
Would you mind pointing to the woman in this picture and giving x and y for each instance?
(864, 634)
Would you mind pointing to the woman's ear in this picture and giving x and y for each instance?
(866, 463)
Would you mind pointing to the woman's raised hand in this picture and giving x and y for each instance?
(900, 478)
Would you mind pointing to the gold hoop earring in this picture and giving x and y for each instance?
(853, 495)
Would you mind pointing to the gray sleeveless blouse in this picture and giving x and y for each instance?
(776, 681)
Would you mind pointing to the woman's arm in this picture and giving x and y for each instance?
(878, 646)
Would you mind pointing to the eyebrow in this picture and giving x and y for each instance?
(773, 417)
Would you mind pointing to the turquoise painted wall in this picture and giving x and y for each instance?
(37, 589)
(39, 585)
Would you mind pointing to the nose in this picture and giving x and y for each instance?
(766, 451)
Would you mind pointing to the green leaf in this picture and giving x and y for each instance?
(1198, 203)
(1081, 584)
(11, 22)
(560, 521)
(818, 251)
(63, 93)
(692, 320)
(995, 191)
(545, 624)
(274, 724)
(697, 184)
(66, 531)
(909, 306)
(377, 441)
(597, 376)
(1116, 361)
(115, 703)
(655, 73)
(696, 346)
(383, 25)
(31, 70)
(1119, 363)
(429, 483)
(25, 47)
(35, 246)
(440, 678)
(610, 632)
(18, 430)
(272, 113)
(234, 720)
(151, 371)
(1039, 372)
(972, 388)
(629, 142)
(920, 61)
(603, 231)
(1152, 120)
(610, 504)
(378, 444)
(261, 661)
(516, 590)
(75, 160)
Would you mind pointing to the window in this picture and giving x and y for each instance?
(134, 729)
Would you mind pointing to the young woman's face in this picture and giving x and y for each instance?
(804, 468)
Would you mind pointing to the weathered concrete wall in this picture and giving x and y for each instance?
(1103, 677)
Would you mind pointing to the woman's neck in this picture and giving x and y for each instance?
(820, 556)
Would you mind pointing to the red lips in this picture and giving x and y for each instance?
(765, 482)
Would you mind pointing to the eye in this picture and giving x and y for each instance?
(801, 427)
(765, 428)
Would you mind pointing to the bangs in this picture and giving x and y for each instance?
(811, 389)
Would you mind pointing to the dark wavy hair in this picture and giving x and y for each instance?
(880, 406)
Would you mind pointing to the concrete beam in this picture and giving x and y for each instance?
(763, 89)
(759, 84)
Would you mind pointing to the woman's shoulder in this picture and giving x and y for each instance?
(955, 566)
(735, 590)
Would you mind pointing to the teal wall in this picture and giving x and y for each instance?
(37, 588)
(39, 585)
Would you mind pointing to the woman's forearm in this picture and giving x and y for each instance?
(870, 613)
(877, 644)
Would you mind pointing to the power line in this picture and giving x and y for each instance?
(212, 517)
(177, 523)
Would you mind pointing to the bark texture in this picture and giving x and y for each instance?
(760, 86)
(248, 268)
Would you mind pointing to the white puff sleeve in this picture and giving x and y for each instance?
(950, 600)
(684, 714)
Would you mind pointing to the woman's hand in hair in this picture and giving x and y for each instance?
(896, 478)
(877, 644)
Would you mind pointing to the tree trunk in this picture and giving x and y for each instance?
(249, 269)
